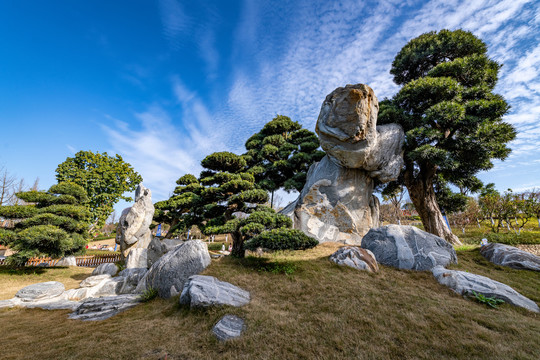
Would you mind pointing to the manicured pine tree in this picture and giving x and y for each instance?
(52, 223)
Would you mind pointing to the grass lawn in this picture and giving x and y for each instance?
(303, 307)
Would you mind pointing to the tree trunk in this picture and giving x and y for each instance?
(423, 197)
(238, 245)
(272, 200)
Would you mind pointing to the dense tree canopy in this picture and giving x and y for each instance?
(52, 223)
(451, 117)
(280, 155)
(105, 179)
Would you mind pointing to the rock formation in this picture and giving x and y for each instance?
(133, 227)
(337, 202)
(407, 247)
(204, 291)
(510, 256)
(357, 258)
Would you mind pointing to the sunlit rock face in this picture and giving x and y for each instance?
(337, 202)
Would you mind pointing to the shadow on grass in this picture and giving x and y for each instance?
(30, 270)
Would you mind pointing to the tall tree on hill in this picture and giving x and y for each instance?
(451, 117)
(105, 179)
(52, 223)
(280, 155)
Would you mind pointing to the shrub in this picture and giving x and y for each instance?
(148, 294)
(514, 239)
(282, 239)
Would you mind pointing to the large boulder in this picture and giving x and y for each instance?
(67, 261)
(510, 256)
(357, 258)
(228, 327)
(104, 307)
(337, 202)
(172, 270)
(106, 269)
(133, 226)
(131, 279)
(465, 284)
(204, 291)
(40, 291)
(137, 258)
(158, 248)
(407, 247)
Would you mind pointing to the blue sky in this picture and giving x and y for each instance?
(165, 83)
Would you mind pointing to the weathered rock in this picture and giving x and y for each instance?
(337, 202)
(133, 227)
(40, 291)
(158, 248)
(172, 270)
(204, 291)
(228, 327)
(79, 294)
(67, 261)
(106, 268)
(109, 287)
(94, 280)
(465, 283)
(54, 304)
(358, 258)
(104, 307)
(7, 303)
(510, 256)
(131, 279)
(407, 247)
(137, 258)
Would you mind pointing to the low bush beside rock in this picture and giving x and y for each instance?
(281, 239)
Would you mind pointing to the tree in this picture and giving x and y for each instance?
(393, 196)
(280, 155)
(105, 179)
(451, 117)
(52, 223)
(7, 187)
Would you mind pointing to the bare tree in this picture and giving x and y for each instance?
(7, 187)
(35, 187)
(19, 188)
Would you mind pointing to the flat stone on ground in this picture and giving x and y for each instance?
(41, 291)
(355, 257)
(228, 327)
(204, 291)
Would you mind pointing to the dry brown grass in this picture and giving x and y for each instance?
(321, 311)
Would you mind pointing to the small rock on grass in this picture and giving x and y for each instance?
(229, 327)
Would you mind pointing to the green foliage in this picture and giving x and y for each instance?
(280, 155)
(489, 301)
(148, 295)
(452, 120)
(282, 239)
(104, 180)
(43, 229)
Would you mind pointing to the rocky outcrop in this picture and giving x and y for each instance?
(172, 270)
(510, 256)
(67, 261)
(40, 291)
(133, 227)
(337, 202)
(356, 258)
(465, 283)
(204, 291)
(407, 247)
(158, 248)
(106, 268)
(93, 309)
(131, 278)
(228, 327)
(137, 258)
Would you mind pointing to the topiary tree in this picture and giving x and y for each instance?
(280, 155)
(181, 210)
(281, 239)
(451, 117)
(53, 223)
(105, 179)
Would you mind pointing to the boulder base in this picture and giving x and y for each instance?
(104, 307)
(511, 256)
(137, 258)
(356, 258)
(407, 247)
(106, 268)
(204, 291)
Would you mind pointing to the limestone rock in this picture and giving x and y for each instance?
(172, 270)
(407, 247)
(67, 261)
(158, 248)
(228, 327)
(54, 304)
(337, 202)
(465, 283)
(137, 258)
(104, 307)
(109, 287)
(510, 256)
(40, 291)
(106, 268)
(133, 226)
(131, 279)
(204, 291)
(356, 258)
(94, 280)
